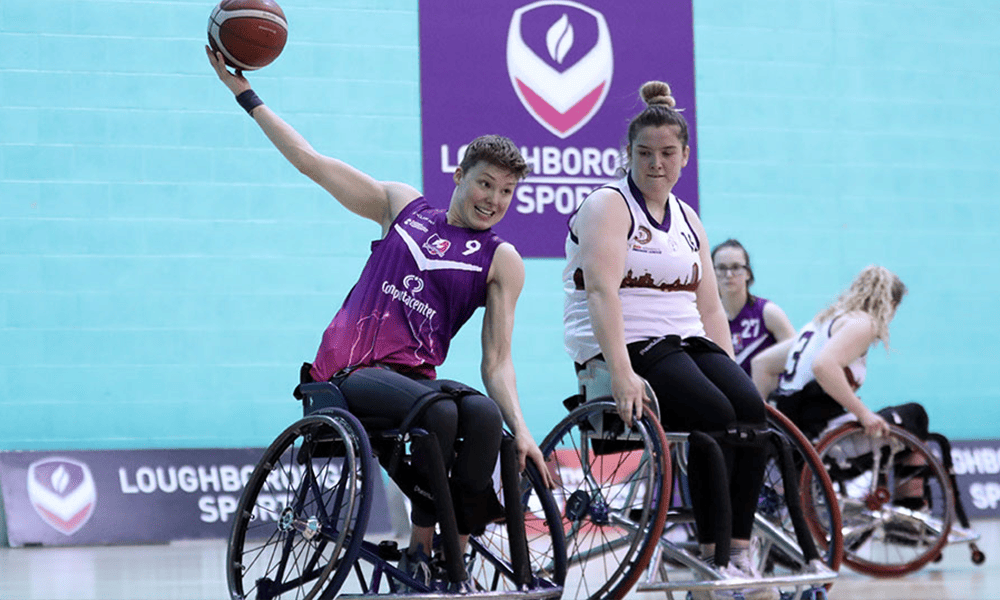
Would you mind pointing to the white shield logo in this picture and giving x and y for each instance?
(560, 62)
(62, 492)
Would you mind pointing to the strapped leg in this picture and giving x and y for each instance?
(710, 494)
(793, 500)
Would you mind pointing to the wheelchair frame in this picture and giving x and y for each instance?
(321, 469)
(883, 538)
(636, 543)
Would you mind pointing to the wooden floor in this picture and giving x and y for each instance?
(194, 571)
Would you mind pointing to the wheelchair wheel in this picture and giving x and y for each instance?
(490, 553)
(895, 499)
(780, 553)
(302, 517)
(613, 488)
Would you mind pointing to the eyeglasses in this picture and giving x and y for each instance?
(723, 270)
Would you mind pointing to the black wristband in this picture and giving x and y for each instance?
(249, 101)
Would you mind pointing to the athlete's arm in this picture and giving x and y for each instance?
(853, 334)
(504, 283)
(768, 365)
(777, 322)
(713, 314)
(603, 226)
(356, 190)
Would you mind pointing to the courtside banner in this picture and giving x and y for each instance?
(561, 79)
(135, 496)
(977, 470)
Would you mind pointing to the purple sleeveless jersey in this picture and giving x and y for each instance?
(750, 336)
(422, 282)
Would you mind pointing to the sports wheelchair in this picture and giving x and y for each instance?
(898, 500)
(627, 520)
(299, 530)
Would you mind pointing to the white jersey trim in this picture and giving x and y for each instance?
(432, 264)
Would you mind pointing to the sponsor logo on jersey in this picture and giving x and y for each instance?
(413, 283)
(437, 245)
(62, 492)
(414, 224)
(408, 297)
(560, 62)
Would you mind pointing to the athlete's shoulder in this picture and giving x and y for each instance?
(416, 215)
(400, 197)
(682, 203)
(689, 213)
(855, 324)
(857, 318)
(507, 266)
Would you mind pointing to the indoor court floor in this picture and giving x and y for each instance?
(193, 570)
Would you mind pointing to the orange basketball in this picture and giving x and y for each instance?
(249, 33)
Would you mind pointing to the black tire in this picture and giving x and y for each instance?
(872, 476)
(301, 521)
(613, 489)
(817, 497)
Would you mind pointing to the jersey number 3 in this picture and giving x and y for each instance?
(800, 345)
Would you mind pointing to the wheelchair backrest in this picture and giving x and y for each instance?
(595, 383)
(320, 394)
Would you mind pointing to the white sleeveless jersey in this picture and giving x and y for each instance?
(798, 367)
(662, 272)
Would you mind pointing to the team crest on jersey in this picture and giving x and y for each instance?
(62, 492)
(437, 245)
(560, 63)
(640, 240)
(643, 235)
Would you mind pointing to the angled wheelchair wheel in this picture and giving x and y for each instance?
(895, 499)
(302, 517)
(817, 497)
(613, 492)
(493, 568)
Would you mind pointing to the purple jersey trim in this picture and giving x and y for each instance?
(637, 194)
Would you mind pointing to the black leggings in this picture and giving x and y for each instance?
(700, 388)
(380, 392)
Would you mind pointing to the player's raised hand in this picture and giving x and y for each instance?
(236, 82)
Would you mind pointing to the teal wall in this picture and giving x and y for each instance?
(163, 272)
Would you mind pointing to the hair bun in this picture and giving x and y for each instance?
(657, 93)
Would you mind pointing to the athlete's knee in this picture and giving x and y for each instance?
(441, 418)
(749, 407)
(711, 416)
(743, 434)
(910, 416)
(481, 414)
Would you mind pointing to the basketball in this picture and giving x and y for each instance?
(249, 33)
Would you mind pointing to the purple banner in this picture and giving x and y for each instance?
(562, 80)
(132, 496)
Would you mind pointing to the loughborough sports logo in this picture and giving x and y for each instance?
(62, 492)
(560, 63)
